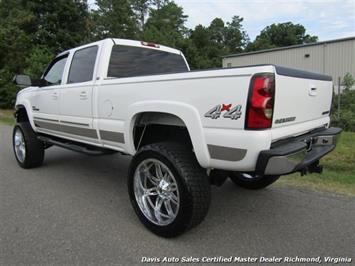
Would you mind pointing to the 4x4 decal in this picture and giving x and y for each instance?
(231, 112)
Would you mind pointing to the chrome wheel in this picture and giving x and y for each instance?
(156, 192)
(20, 145)
(168, 189)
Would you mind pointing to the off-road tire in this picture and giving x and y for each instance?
(34, 147)
(192, 182)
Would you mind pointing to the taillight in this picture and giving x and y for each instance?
(261, 102)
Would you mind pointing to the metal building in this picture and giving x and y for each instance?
(334, 57)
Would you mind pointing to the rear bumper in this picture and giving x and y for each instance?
(295, 154)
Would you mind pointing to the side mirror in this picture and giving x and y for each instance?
(22, 81)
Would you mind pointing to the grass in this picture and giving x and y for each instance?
(7, 117)
(339, 170)
(339, 166)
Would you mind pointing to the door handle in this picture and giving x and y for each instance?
(83, 95)
(55, 96)
(312, 91)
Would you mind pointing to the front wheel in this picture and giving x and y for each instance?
(252, 181)
(168, 189)
(29, 151)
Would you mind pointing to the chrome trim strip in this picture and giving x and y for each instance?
(226, 153)
(74, 123)
(51, 126)
(112, 136)
(69, 136)
(85, 132)
(46, 119)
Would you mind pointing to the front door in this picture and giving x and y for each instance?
(45, 99)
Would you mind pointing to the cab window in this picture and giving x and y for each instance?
(82, 65)
(130, 61)
(54, 73)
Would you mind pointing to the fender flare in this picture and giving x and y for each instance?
(26, 104)
(187, 113)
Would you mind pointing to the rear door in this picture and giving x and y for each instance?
(300, 96)
(76, 96)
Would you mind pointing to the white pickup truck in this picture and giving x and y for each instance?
(185, 129)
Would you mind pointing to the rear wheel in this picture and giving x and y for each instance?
(29, 151)
(252, 181)
(168, 189)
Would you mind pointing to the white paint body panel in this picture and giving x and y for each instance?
(113, 105)
(48, 100)
(305, 99)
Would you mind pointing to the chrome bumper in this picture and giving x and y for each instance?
(296, 154)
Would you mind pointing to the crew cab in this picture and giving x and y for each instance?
(185, 129)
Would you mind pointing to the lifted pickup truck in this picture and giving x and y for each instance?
(185, 129)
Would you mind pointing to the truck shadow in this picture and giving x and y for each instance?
(111, 171)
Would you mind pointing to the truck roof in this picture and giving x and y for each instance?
(126, 42)
(144, 44)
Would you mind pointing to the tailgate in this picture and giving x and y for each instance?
(300, 96)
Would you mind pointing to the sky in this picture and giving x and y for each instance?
(327, 19)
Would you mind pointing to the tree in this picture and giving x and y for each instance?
(217, 31)
(59, 26)
(166, 25)
(32, 32)
(160, 3)
(236, 38)
(208, 44)
(25, 24)
(16, 23)
(196, 48)
(343, 114)
(141, 9)
(37, 60)
(279, 35)
(348, 81)
(15, 43)
(7, 89)
(114, 18)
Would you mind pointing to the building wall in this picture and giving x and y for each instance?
(333, 58)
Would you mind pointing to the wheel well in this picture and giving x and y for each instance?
(153, 127)
(21, 114)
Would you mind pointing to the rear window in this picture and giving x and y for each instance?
(128, 61)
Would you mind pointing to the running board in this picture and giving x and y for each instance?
(75, 146)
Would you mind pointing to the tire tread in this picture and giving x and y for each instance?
(34, 147)
(195, 177)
